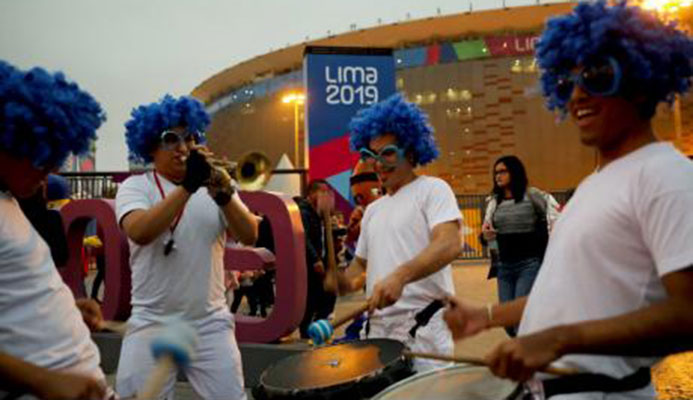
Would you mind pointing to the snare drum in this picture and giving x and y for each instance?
(353, 370)
(456, 382)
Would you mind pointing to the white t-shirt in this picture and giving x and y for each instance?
(625, 227)
(39, 322)
(189, 281)
(396, 228)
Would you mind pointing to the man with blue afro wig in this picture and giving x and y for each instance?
(177, 236)
(45, 345)
(615, 291)
(410, 235)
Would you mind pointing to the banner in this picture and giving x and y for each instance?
(340, 81)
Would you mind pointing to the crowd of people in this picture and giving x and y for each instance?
(606, 286)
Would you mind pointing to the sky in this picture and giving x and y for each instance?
(132, 52)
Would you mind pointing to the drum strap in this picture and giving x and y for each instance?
(597, 383)
(421, 318)
(425, 315)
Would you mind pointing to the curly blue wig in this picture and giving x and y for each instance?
(403, 119)
(144, 129)
(44, 117)
(655, 57)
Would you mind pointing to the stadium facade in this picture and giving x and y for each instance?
(473, 73)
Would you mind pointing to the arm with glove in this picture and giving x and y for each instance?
(144, 226)
(243, 225)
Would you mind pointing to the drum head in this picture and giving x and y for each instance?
(333, 368)
(456, 382)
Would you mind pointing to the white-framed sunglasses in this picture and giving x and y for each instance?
(390, 155)
(171, 139)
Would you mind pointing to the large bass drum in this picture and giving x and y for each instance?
(457, 382)
(354, 370)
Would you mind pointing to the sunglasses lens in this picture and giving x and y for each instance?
(388, 152)
(366, 155)
(170, 138)
(564, 89)
(599, 79)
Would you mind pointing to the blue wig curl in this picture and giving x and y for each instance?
(655, 57)
(144, 129)
(403, 119)
(43, 117)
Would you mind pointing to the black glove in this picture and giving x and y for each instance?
(197, 172)
(222, 198)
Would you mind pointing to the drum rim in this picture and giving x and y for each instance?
(400, 362)
(422, 375)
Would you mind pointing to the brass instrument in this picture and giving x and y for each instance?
(252, 170)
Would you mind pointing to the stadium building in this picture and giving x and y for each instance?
(473, 73)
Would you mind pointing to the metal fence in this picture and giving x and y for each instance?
(98, 185)
(473, 207)
(94, 185)
(90, 185)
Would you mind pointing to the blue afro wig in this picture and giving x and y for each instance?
(655, 57)
(44, 117)
(144, 129)
(403, 119)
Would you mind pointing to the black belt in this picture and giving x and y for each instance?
(581, 383)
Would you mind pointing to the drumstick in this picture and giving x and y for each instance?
(350, 316)
(118, 327)
(322, 330)
(331, 282)
(173, 347)
(478, 361)
(162, 370)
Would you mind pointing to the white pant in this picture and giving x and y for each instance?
(435, 337)
(215, 371)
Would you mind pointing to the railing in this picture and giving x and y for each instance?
(473, 207)
(89, 185)
(96, 185)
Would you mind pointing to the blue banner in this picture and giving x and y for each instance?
(339, 82)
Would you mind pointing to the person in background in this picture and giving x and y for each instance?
(365, 189)
(517, 223)
(318, 201)
(43, 211)
(246, 288)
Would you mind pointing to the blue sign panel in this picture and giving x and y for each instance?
(339, 82)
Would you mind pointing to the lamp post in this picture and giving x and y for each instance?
(297, 99)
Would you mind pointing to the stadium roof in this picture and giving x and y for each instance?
(396, 35)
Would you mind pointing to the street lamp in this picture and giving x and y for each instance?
(297, 99)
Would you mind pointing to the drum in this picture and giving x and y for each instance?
(354, 370)
(458, 382)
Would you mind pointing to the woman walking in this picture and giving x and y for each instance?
(518, 218)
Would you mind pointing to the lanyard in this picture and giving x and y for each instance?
(170, 244)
